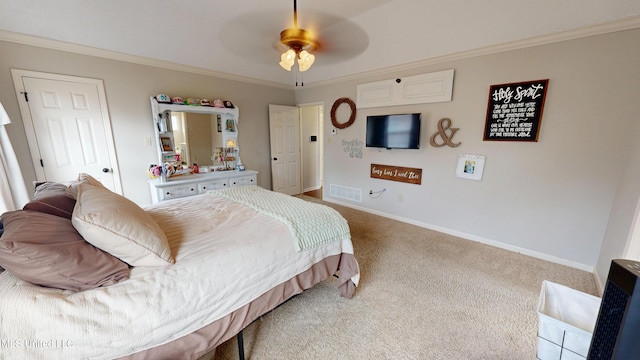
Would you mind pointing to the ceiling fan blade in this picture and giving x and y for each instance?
(255, 36)
(341, 41)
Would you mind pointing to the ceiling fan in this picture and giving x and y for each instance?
(332, 38)
(300, 42)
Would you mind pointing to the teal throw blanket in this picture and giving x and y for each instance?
(310, 224)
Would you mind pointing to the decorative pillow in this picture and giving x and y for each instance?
(72, 190)
(118, 226)
(46, 250)
(51, 198)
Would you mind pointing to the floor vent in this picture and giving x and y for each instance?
(344, 192)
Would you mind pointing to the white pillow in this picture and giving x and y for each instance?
(118, 226)
(83, 178)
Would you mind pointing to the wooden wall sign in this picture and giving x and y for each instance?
(514, 112)
(397, 173)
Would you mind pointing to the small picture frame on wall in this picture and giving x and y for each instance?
(470, 166)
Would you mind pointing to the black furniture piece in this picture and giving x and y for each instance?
(617, 331)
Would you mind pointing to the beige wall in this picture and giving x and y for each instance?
(128, 88)
(569, 198)
(623, 214)
(551, 199)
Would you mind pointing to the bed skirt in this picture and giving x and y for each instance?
(204, 340)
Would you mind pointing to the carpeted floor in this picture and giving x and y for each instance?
(422, 295)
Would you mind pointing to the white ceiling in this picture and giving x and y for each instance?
(241, 37)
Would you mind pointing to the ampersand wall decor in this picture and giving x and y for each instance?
(442, 132)
(335, 106)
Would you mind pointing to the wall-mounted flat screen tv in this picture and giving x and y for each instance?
(399, 131)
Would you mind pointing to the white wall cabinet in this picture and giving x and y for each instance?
(199, 183)
(417, 89)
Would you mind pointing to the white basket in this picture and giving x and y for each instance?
(566, 321)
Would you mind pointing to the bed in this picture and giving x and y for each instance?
(231, 260)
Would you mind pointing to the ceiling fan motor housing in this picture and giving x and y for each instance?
(297, 39)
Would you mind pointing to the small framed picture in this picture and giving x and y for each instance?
(166, 143)
(470, 166)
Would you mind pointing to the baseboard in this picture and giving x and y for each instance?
(311, 188)
(471, 237)
(599, 285)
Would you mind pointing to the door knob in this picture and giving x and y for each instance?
(275, 159)
(105, 170)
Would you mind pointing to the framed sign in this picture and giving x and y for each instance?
(470, 166)
(514, 112)
(396, 173)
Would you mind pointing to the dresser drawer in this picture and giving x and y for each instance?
(243, 180)
(174, 192)
(212, 185)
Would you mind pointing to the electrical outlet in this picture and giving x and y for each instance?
(147, 141)
(370, 192)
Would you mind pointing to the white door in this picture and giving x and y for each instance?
(284, 129)
(68, 127)
(311, 146)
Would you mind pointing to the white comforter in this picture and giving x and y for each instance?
(226, 256)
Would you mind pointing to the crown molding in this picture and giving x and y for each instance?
(592, 30)
(31, 40)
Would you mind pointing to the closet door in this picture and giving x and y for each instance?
(284, 129)
(68, 127)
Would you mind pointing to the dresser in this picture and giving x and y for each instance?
(189, 185)
(202, 135)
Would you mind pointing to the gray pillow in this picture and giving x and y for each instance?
(46, 250)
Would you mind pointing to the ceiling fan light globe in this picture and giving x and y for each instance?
(305, 60)
(287, 59)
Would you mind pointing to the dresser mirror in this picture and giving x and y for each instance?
(196, 137)
(201, 135)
